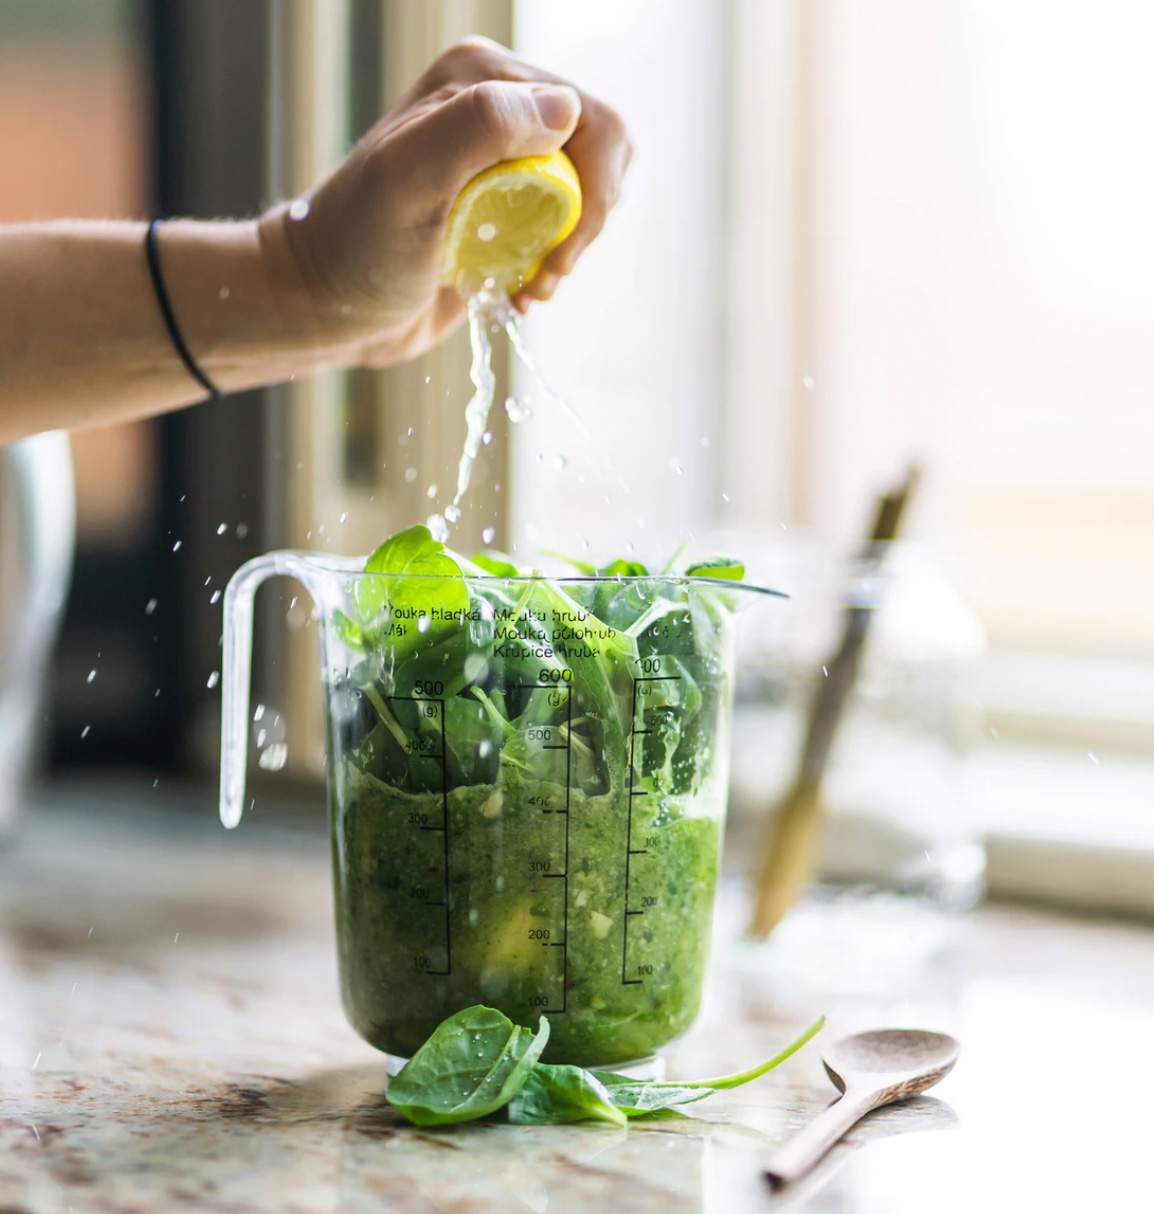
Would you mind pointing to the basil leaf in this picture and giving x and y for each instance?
(718, 567)
(473, 1064)
(555, 1094)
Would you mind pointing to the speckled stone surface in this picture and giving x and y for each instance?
(171, 1039)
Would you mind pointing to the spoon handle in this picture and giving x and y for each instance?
(809, 1144)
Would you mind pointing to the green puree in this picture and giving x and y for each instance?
(497, 904)
(527, 785)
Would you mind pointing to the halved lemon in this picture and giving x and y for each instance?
(507, 220)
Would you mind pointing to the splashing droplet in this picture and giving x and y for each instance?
(150, 606)
(213, 679)
(299, 209)
(453, 512)
(84, 731)
(344, 517)
(215, 598)
(273, 757)
(486, 232)
(431, 491)
(176, 546)
(410, 475)
(487, 437)
(91, 676)
(675, 465)
(489, 534)
(222, 529)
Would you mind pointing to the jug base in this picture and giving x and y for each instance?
(648, 1070)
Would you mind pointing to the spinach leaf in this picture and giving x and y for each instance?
(718, 567)
(474, 1063)
(411, 556)
(555, 1094)
(637, 1098)
(496, 564)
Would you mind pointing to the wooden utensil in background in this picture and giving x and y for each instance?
(791, 843)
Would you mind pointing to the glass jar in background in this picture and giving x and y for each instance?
(894, 812)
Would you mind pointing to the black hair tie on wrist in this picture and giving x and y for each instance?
(169, 319)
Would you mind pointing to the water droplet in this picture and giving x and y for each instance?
(299, 209)
(486, 232)
(807, 382)
(428, 379)
(431, 491)
(224, 292)
(453, 512)
(273, 757)
(222, 529)
(241, 530)
(208, 579)
(483, 747)
(215, 598)
(423, 623)
(1093, 758)
(84, 731)
(675, 465)
(560, 462)
(487, 437)
(150, 606)
(629, 547)
(725, 497)
(213, 679)
(176, 546)
(410, 475)
(91, 675)
(438, 528)
(259, 713)
(518, 410)
(488, 534)
(261, 738)
(344, 517)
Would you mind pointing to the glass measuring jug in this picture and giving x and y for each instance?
(527, 784)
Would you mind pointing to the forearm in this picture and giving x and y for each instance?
(82, 339)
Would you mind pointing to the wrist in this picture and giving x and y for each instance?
(242, 317)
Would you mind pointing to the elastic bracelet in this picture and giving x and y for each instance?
(169, 319)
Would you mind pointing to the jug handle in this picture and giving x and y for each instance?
(237, 658)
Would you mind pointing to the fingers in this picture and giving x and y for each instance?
(598, 146)
(483, 123)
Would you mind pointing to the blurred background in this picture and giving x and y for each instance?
(853, 238)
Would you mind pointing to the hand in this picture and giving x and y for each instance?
(359, 271)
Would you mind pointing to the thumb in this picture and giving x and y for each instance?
(483, 124)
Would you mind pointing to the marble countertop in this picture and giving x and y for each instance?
(171, 1039)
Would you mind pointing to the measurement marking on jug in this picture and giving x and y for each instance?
(630, 850)
(543, 735)
(423, 963)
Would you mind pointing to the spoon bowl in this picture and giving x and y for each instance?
(894, 1063)
(870, 1070)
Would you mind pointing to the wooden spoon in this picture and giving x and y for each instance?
(870, 1069)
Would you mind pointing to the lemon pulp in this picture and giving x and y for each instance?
(507, 220)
